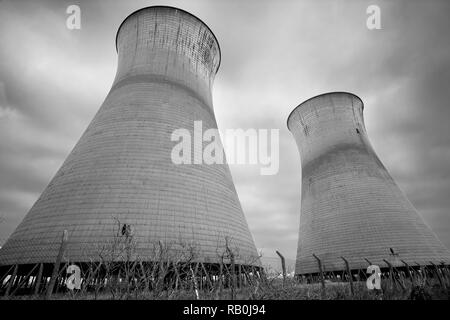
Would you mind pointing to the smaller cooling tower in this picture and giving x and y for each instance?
(351, 207)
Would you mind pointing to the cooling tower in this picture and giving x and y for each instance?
(120, 172)
(350, 206)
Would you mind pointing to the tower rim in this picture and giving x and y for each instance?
(320, 95)
(175, 8)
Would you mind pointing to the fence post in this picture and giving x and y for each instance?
(55, 272)
(322, 278)
(283, 266)
(5, 275)
(350, 277)
(11, 280)
(38, 279)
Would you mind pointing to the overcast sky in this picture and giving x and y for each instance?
(274, 56)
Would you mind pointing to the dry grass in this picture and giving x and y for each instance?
(272, 290)
(177, 274)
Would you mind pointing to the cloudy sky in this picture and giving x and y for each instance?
(274, 56)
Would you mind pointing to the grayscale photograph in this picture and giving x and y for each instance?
(224, 155)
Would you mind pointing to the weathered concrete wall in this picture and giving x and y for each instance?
(350, 204)
(121, 166)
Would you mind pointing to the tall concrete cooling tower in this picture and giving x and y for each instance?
(121, 168)
(350, 205)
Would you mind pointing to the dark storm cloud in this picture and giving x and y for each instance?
(274, 56)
